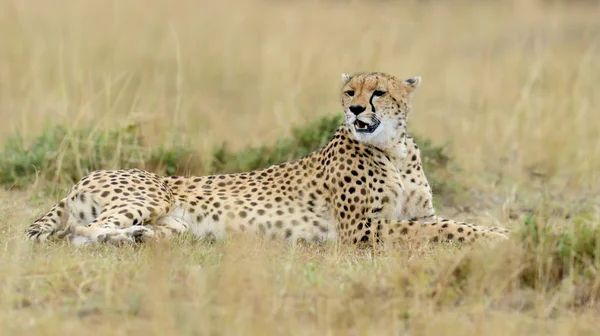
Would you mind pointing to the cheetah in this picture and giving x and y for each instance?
(365, 185)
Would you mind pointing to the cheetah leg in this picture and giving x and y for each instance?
(114, 228)
(441, 230)
(479, 228)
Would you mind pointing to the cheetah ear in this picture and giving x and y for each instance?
(412, 83)
(345, 78)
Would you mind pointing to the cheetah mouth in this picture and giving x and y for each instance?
(363, 127)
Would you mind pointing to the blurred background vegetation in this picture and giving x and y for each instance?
(64, 156)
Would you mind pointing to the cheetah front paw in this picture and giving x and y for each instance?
(128, 236)
(140, 234)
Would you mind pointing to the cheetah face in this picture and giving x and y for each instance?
(376, 106)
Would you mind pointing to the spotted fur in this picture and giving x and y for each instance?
(366, 184)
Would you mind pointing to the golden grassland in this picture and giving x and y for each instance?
(511, 85)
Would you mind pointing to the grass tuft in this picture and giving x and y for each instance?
(64, 155)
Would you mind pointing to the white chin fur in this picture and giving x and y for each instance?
(385, 137)
(372, 138)
(379, 137)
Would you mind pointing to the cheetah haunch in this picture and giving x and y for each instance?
(366, 184)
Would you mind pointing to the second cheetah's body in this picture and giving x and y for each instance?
(366, 183)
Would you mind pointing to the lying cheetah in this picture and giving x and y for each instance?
(366, 184)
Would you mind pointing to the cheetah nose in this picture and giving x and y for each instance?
(357, 109)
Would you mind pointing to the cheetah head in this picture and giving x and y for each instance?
(376, 106)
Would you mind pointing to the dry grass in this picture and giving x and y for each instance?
(512, 85)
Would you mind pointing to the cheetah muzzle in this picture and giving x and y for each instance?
(365, 185)
(363, 127)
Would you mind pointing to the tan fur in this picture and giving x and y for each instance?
(361, 186)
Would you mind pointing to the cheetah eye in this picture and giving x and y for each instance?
(350, 93)
(378, 93)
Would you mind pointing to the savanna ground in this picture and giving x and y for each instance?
(510, 92)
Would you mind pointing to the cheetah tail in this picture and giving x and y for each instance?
(50, 224)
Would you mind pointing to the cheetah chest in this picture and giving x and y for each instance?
(388, 200)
